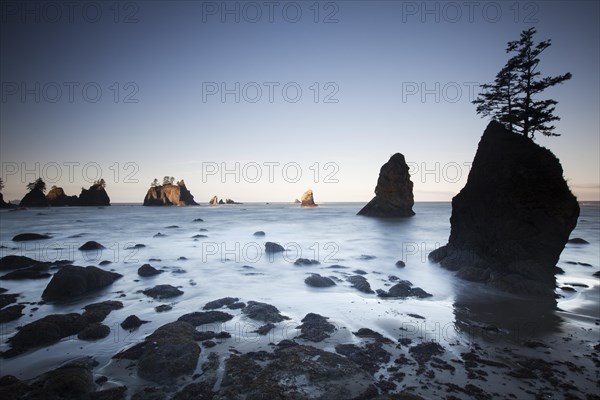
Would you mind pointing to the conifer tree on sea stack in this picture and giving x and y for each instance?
(512, 99)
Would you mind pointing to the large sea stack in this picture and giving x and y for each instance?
(95, 196)
(169, 195)
(512, 219)
(35, 198)
(394, 191)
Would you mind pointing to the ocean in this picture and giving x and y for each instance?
(228, 260)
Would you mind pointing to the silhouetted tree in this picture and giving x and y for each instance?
(1, 184)
(38, 184)
(512, 97)
(53, 187)
(100, 183)
(154, 183)
(168, 180)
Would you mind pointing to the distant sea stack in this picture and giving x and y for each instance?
(57, 198)
(512, 219)
(169, 195)
(35, 198)
(95, 196)
(394, 191)
(3, 204)
(214, 200)
(307, 200)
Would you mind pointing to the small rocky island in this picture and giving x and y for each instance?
(394, 191)
(512, 219)
(169, 194)
(94, 196)
(307, 200)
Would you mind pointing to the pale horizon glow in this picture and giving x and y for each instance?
(375, 78)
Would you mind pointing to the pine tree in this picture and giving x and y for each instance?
(512, 97)
(38, 184)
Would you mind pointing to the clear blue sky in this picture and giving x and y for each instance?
(375, 58)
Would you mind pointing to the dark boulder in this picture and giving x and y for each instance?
(167, 354)
(91, 245)
(315, 328)
(360, 283)
(403, 289)
(15, 262)
(513, 217)
(207, 317)
(163, 292)
(97, 312)
(72, 281)
(45, 331)
(11, 313)
(271, 248)
(148, 270)
(132, 322)
(263, 312)
(318, 281)
(94, 331)
(23, 237)
(394, 191)
(37, 271)
(225, 301)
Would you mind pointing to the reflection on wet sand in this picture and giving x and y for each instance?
(490, 315)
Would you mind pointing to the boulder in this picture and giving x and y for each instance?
(169, 195)
(34, 198)
(512, 219)
(394, 191)
(205, 317)
(95, 196)
(318, 281)
(57, 198)
(91, 245)
(132, 322)
(263, 312)
(45, 331)
(315, 328)
(72, 281)
(97, 312)
(307, 200)
(163, 292)
(24, 237)
(11, 262)
(166, 354)
(271, 248)
(148, 270)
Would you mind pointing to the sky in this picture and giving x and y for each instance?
(260, 101)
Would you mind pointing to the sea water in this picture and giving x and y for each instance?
(231, 261)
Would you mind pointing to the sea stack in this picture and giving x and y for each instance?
(307, 200)
(169, 195)
(512, 219)
(394, 191)
(35, 198)
(57, 198)
(95, 196)
(214, 200)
